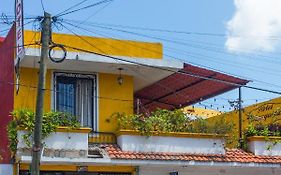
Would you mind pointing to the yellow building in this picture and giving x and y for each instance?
(200, 112)
(102, 76)
(264, 112)
(88, 85)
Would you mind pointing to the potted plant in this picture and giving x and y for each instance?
(263, 134)
(171, 131)
(61, 134)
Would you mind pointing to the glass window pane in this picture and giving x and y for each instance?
(77, 95)
(66, 95)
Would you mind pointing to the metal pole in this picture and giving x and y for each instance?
(240, 117)
(138, 106)
(37, 145)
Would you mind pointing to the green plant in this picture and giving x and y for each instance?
(24, 119)
(258, 126)
(161, 121)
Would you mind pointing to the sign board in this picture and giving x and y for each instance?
(19, 39)
(266, 111)
(19, 30)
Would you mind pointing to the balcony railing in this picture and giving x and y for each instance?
(102, 138)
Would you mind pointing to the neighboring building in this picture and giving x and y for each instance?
(103, 151)
(266, 111)
(196, 112)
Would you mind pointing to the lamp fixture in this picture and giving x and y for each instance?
(120, 79)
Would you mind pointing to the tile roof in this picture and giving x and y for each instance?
(232, 155)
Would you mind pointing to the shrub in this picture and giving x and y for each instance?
(25, 119)
(161, 121)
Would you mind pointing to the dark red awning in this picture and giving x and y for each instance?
(179, 90)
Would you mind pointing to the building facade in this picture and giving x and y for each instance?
(93, 87)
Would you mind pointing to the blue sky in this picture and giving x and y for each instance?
(255, 59)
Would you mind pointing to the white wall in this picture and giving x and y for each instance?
(171, 144)
(6, 169)
(61, 140)
(265, 148)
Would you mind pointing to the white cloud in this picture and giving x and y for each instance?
(254, 26)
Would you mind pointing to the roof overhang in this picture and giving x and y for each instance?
(186, 87)
(86, 62)
(150, 163)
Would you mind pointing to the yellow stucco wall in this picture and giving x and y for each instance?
(201, 112)
(124, 169)
(102, 45)
(26, 97)
(264, 110)
(112, 97)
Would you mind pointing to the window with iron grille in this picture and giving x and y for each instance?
(77, 94)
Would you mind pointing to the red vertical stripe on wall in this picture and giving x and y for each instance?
(6, 91)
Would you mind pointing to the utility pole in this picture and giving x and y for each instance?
(240, 117)
(37, 145)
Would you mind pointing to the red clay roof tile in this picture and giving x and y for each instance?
(232, 155)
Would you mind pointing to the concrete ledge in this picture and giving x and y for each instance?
(171, 142)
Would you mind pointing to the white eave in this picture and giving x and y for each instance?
(92, 63)
(151, 163)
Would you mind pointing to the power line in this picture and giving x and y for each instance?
(42, 5)
(95, 13)
(180, 72)
(187, 32)
(182, 59)
(60, 92)
(172, 41)
(71, 7)
(83, 8)
(105, 53)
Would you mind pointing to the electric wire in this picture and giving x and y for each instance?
(83, 8)
(71, 7)
(185, 60)
(60, 92)
(186, 32)
(165, 87)
(95, 13)
(273, 62)
(194, 46)
(169, 40)
(173, 71)
(42, 5)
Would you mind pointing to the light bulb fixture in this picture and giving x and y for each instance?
(120, 79)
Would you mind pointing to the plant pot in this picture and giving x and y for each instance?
(266, 146)
(64, 142)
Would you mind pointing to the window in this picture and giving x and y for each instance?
(77, 95)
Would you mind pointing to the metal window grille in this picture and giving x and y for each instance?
(77, 95)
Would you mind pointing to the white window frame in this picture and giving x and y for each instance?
(78, 74)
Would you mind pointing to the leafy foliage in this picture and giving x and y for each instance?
(25, 119)
(259, 127)
(161, 121)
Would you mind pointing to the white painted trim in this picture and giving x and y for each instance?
(151, 163)
(52, 91)
(97, 58)
(77, 72)
(98, 94)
